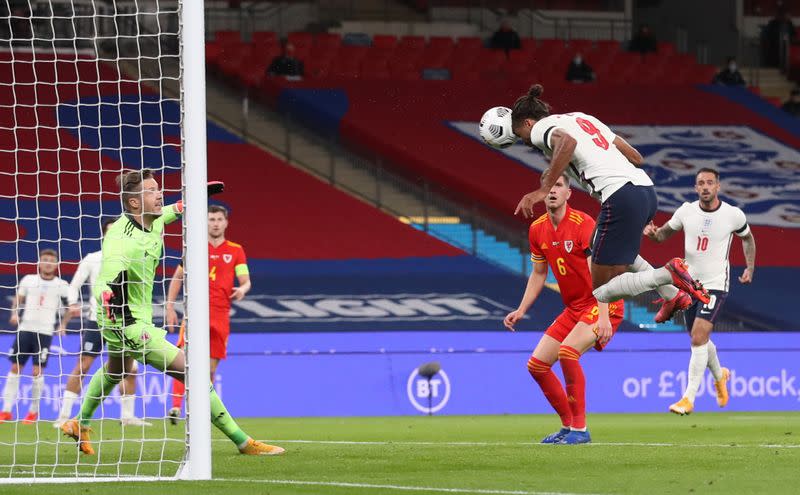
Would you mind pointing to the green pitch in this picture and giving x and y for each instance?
(702, 453)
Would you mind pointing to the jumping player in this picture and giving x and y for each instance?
(561, 240)
(606, 165)
(132, 251)
(92, 346)
(708, 227)
(226, 262)
(42, 296)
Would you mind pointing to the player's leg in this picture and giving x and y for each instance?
(127, 393)
(616, 245)
(164, 356)
(672, 300)
(213, 365)
(178, 389)
(540, 368)
(702, 323)
(582, 338)
(39, 363)
(18, 359)
(91, 346)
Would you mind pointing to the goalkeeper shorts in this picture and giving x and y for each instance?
(143, 342)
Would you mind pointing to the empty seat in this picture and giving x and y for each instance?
(299, 39)
(265, 38)
(412, 42)
(384, 41)
(469, 43)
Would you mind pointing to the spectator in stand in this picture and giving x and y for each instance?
(777, 29)
(286, 64)
(644, 41)
(579, 71)
(505, 38)
(792, 105)
(730, 75)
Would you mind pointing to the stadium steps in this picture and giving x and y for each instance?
(772, 83)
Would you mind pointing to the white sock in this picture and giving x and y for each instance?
(127, 406)
(10, 391)
(668, 292)
(631, 284)
(36, 393)
(577, 429)
(713, 361)
(697, 367)
(66, 404)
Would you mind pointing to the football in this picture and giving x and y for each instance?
(495, 128)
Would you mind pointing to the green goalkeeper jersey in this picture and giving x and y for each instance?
(131, 256)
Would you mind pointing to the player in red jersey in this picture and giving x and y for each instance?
(226, 262)
(561, 239)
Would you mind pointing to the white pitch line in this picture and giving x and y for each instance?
(529, 444)
(409, 488)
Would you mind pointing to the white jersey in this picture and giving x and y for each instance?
(88, 269)
(42, 303)
(707, 240)
(596, 162)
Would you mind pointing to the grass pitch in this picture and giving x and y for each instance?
(499, 455)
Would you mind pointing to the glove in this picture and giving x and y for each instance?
(107, 297)
(215, 187)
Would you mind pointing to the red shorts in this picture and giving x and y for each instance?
(566, 321)
(218, 337)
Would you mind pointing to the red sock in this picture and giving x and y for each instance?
(576, 384)
(178, 389)
(551, 387)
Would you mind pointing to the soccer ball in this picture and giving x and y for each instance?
(495, 128)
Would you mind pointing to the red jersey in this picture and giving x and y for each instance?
(225, 262)
(565, 249)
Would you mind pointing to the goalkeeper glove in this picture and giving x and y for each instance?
(214, 187)
(107, 296)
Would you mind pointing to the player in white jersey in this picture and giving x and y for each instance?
(607, 166)
(708, 225)
(92, 346)
(41, 297)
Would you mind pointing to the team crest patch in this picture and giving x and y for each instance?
(568, 246)
(227, 257)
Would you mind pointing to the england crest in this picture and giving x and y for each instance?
(568, 246)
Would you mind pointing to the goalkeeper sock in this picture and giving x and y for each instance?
(697, 367)
(36, 393)
(551, 388)
(223, 420)
(713, 361)
(100, 386)
(668, 292)
(178, 389)
(127, 405)
(10, 391)
(66, 404)
(575, 384)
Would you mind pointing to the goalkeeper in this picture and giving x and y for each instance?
(132, 250)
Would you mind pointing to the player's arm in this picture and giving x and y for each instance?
(749, 248)
(172, 212)
(532, 291)
(658, 234)
(75, 285)
(18, 301)
(108, 289)
(629, 151)
(172, 295)
(242, 275)
(68, 314)
(563, 146)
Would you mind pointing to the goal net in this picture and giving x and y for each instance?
(89, 88)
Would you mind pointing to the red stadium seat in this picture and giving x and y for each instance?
(227, 37)
(580, 45)
(666, 48)
(441, 43)
(469, 43)
(529, 44)
(300, 39)
(384, 41)
(327, 40)
(265, 38)
(412, 42)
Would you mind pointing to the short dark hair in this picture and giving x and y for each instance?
(708, 171)
(48, 251)
(130, 184)
(529, 106)
(566, 179)
(218, 209)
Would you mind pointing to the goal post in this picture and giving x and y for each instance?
(89, 88)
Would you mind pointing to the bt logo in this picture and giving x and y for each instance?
(428, 395)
